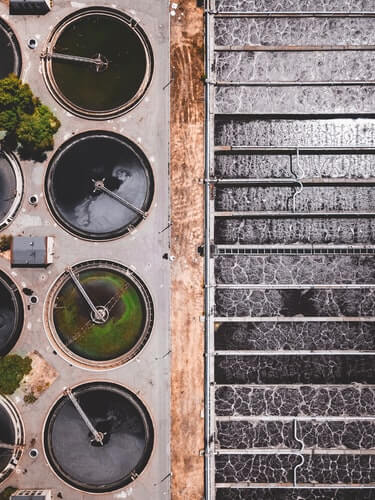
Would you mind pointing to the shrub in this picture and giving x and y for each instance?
(5, 242)
(29, 398)
(12, 370)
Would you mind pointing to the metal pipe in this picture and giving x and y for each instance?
(286, 214)
(305, 248)
(293, 48)
(298, 386)
(333, 486)
(297, 352)
(273, 83)
(98, 313)
(307, 181)
(293, 149)
(14, 447)
(277, 418)
(294, 319)
(99, 186)
(271, 14)
(292, 451)
(100, 62)
(209, 494)
(98, 436)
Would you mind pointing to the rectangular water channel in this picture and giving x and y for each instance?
(276, 434)
(322, 166)
(287, 337)
(308, 199)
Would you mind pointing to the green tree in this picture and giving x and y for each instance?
(27, 123)
(12, 370)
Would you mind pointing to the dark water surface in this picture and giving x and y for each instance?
(317, 369)
(273, 336)
(8, 186)
(7, 435)
(349, 435)
(11, 315)
(70, 186)
(128, 442)
(114, 39)
(9, 52)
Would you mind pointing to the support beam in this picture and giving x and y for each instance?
(292, 451)
(292, 181)
(97, 436)
(278, 83)
(273, 14)
(318, 352)
(294, 319)
(307, 286)
(293, 48)
(276, 418)
(251, 485)
(293, 215)
(294, 149)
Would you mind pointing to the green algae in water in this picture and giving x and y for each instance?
(115, 337)
(114, 39)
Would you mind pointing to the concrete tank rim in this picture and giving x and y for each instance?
(19, 430)
(128, 142)
(14, 163)
(47, 72)
(79, 361)
(131, 391)
(7, 26)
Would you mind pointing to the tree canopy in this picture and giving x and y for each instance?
(12, 370)
(25, 123)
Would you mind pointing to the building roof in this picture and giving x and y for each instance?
(31, 494)
(29, 7)
(28, 497)
(29, 251)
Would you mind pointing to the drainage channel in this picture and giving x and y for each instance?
(290, 239)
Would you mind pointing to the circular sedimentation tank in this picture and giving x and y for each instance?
(98, 63)
(11, 314)
(11, 188)
(10, 54)
(11, 437)
(113, 451)
(99, 185)
(108, 334)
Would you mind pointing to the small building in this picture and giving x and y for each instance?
(29, 7)
(31, 495)
(32, 251)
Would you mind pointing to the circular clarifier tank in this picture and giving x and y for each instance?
(110, 437)
(99, 185)
(11, 188)
(10, 54)
(100, 314)
(98, 63)
(11, 314)
(11, 437)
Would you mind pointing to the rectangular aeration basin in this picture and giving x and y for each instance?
(295, 336)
